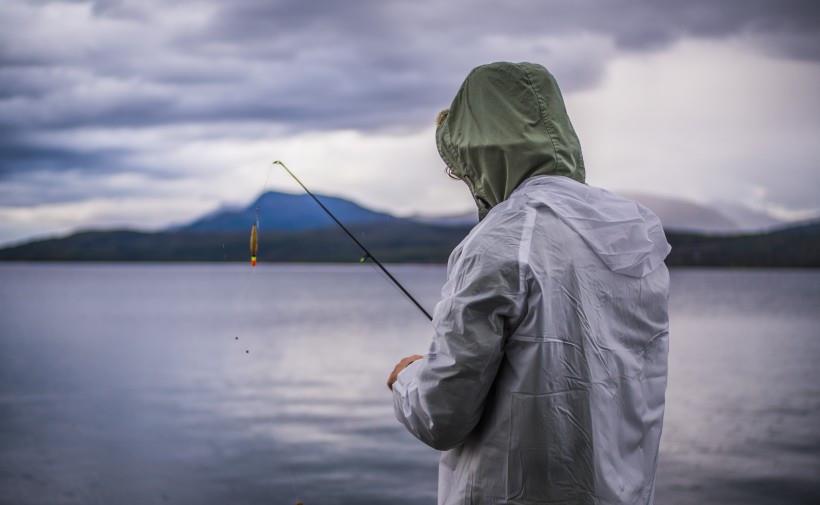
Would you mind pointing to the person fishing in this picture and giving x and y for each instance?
(546, 376)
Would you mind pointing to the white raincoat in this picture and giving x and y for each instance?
(545, 380)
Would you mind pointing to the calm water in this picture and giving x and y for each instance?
(126, 384)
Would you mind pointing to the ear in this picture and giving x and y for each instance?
(442, 116)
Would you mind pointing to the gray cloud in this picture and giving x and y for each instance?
(319, 65)
(326, 64)
(23, 157)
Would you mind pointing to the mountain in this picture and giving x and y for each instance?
(294, 229)
(469, 218)
(747, 218)
(286, 212)
(684, 215)
(401, 241)
(789, 246)
(675, 214)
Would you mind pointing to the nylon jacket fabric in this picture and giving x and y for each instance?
(546, 376)
(508, 122)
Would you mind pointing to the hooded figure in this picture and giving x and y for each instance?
(546, 376)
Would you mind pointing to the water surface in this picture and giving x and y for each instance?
(202, 384)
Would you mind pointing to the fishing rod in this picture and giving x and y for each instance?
(367, 253)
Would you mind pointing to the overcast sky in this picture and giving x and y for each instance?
(144, 113)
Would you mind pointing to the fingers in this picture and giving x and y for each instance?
(409, 359)
(401, 365)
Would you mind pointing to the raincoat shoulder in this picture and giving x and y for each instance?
(440, 399)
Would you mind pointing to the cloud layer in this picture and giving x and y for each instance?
(169, 96)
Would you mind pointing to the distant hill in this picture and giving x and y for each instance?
(746, 218)
(286, 212)
(675, 214)
(679, 214)
(401, 241)
(469, 218)
(791, 246)
(294, 229)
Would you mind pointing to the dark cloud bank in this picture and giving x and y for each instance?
(316, 65)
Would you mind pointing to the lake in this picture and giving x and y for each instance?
(222, 384)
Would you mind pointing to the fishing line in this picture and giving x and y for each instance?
(368, 257)
(367, 253)
(256, 233)
(250, 277)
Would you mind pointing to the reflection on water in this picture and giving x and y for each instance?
(127, 384)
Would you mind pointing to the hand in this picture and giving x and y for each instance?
(401, 365)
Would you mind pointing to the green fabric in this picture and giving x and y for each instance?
(507, 123)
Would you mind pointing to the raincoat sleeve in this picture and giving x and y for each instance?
(440, 399)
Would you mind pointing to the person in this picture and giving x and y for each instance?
(546, 376)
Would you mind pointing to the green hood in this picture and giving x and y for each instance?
(507, 123)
